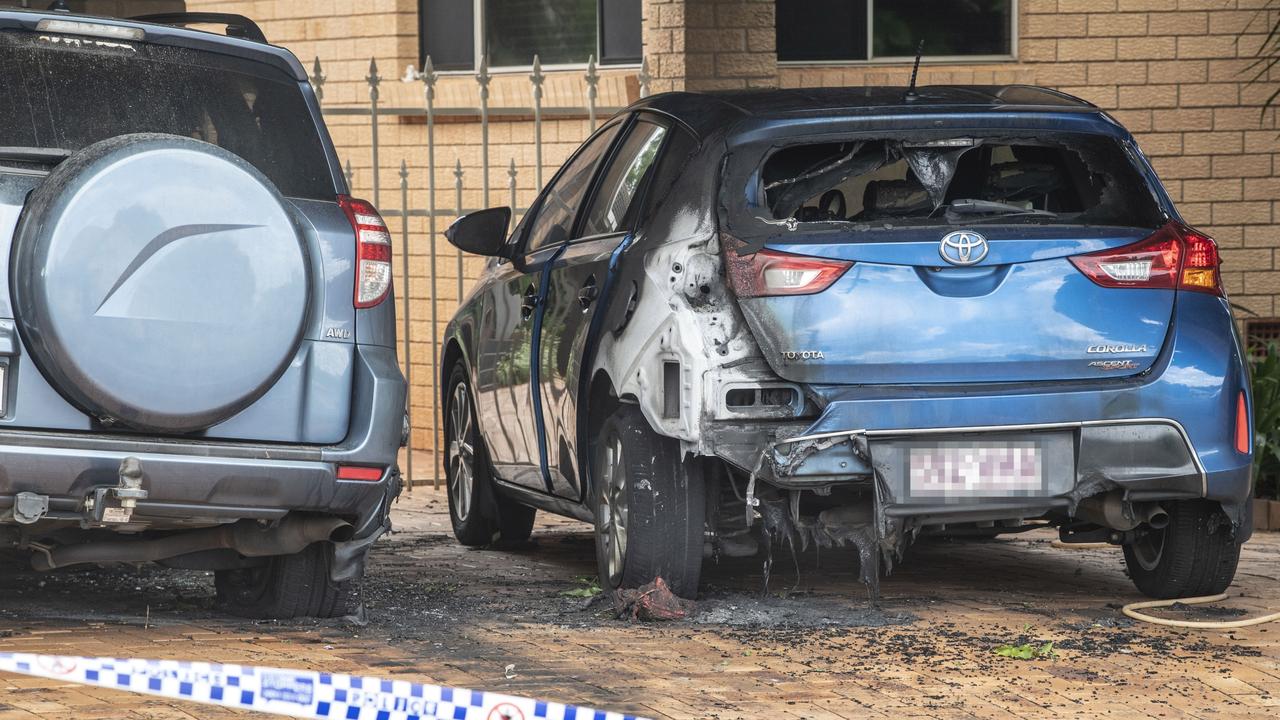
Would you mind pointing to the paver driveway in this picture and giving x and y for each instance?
(501, 621)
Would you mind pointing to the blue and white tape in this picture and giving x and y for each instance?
(295, 693)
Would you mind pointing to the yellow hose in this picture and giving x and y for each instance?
(1132, 611)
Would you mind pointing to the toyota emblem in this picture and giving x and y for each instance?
(963, 248)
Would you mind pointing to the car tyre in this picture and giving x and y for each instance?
(480, 516)
(1195, 555)
(650, 507)
(288, 586)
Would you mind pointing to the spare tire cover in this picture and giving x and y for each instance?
(159, 281)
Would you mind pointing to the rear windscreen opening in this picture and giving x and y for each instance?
(1082, 179)
(59, 93)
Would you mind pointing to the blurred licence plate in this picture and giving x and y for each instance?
(975, 469)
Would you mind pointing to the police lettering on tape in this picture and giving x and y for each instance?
(295, 693)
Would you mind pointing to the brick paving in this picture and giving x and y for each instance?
(445, 614)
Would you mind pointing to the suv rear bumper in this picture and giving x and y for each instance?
(204, 482)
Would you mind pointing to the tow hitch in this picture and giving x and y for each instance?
(115, 505)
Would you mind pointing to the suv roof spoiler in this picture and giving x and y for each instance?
(236, 25)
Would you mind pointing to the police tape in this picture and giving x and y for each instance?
(295, 693)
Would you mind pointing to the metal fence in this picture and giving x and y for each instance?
(433, 208)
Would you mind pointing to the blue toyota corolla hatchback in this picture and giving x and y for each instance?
(851, 317)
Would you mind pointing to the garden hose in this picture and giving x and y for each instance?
(1131, 610)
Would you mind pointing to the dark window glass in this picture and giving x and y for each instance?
(561, 200)
(56, 95)
(822, 29)
(557, 31)
(947, 27)
(1065, 179)
(620, 31)
(446, 32)
(611, 211)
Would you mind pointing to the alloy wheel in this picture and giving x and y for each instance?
(462, 460)
(613, 508)
(1149, 549)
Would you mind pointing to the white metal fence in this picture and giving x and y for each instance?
(452, 207)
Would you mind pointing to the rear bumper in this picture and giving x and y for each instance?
(1167, 433)
(1149, 460)
(195, 482)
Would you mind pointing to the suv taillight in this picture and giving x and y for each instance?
(1175, 256)
(767, 273)
(373, 251)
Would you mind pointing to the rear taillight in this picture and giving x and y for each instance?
(769, 272)
(1242, 425)
(373, 251)
(1175, 256)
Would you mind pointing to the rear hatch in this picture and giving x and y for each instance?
(193, 296)
(951, 259)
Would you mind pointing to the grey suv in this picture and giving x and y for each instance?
(197, 339)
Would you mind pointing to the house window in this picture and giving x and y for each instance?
(861, 30)
(457, 33)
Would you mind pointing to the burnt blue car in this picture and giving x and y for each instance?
(852, 317)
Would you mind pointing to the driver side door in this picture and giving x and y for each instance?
(511, 417)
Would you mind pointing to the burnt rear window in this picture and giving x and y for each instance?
(60, 92)
(1077, 180)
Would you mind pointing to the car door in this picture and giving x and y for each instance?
(577, 283)
(507, 406)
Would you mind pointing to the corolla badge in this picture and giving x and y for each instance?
(963, 248)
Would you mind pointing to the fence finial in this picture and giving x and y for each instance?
(317, 79)
(373, 79)
(429, 77)
(536, 77)
(644, 77)
(404, 175)
(351, 174)
(593, 78)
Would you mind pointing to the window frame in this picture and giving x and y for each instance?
(479, 49)
(873, 59)
(520, 236)
(639, 199)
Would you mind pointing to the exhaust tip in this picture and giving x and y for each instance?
(1158, 519)
(342, 533)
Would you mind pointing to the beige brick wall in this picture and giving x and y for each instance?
(710, 44)
(1170, 70)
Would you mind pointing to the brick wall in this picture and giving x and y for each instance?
(710, 44)
(1174, 73)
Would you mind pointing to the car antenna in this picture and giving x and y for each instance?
(910, 94)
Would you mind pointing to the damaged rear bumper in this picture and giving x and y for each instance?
(1148, 459)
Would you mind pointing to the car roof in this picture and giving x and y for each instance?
(172, 35)
(707, 112)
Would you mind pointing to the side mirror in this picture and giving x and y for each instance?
(483, 232)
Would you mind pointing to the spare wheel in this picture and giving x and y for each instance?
(160, 282)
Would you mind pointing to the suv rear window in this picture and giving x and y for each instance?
(1078, 180)
(63, 93)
